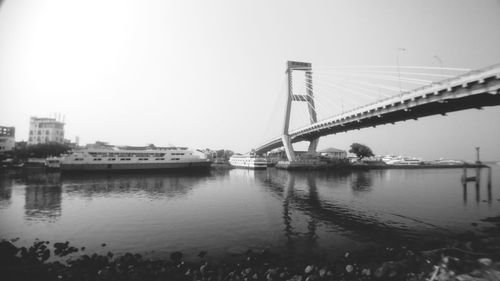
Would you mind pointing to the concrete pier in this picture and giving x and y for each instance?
(309, 164)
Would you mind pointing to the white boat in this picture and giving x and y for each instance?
(137, 158)
(248, 161)
(443, 161)
(52, 163)
(404, 161)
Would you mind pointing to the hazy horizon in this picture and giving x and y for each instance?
(209, 74)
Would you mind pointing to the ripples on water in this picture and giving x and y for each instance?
(227, 212)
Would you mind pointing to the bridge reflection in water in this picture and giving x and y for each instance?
(297, 213)
(328, 205)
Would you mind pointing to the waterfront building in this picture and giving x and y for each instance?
(7, 138)
(334, 153)
(44, 130)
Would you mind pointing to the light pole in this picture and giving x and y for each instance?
(399, 74)
(440, 64)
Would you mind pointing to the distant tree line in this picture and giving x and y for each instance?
(224, 153)
(42, 150)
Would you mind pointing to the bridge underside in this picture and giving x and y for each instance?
(413, 112)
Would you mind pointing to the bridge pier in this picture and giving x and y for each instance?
(308, 97)
(287, 144)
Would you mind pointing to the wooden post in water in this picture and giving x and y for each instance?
(489, 185)
(478, 184)
(464, 184)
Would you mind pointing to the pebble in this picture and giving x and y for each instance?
(309, 269)
(296, 278)
(366, 272)
(485, 261)
(322, 272)
(349, 268)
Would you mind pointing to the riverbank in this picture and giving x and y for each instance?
(422, 166)
(469, 256)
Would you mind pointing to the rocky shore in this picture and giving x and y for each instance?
(471, 256)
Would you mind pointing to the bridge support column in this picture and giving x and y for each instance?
(313, 145)
(287, 144)
(308, 97)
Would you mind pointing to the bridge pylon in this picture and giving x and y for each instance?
(307, 97)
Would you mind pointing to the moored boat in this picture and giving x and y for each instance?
(249, 161)
(52, 163)
(404, 161)
(137, 158)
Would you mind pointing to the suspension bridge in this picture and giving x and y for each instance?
(466, 90)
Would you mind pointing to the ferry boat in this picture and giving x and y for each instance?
(136, 158)
(249, 161)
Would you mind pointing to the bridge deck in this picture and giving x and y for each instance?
(474, 89)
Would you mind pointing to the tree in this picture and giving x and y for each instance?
(360, 150)
(42, 150)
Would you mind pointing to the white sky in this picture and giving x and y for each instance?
(208, 73)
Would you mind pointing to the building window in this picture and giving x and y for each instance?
(97, 159)
(111, 159)
(176, 159)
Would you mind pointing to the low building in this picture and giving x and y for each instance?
(44, 130)
(7, 139)
(333, 153)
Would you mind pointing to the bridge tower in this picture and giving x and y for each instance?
(308, 97)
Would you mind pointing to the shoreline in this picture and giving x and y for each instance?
(467, 256)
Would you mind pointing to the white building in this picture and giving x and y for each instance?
(7, 138)
(43, 130)
(334, 153)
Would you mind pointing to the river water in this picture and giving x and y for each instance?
(226, 212)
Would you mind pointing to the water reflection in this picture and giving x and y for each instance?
(295, 213)
(43, 191)
(361, 181)
(43, 202)
(43, 196)
(300, 191)
(5, 190)
(152, 185)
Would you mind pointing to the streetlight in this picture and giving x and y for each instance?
(440, 64)
(399, 74)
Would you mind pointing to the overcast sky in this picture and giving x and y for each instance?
(210, 73)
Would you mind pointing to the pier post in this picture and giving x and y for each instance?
(464, 185)
(489, 185)
(478, 184)
(478, 160)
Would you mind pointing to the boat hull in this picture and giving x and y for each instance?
(134, 166)
(252, 167)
